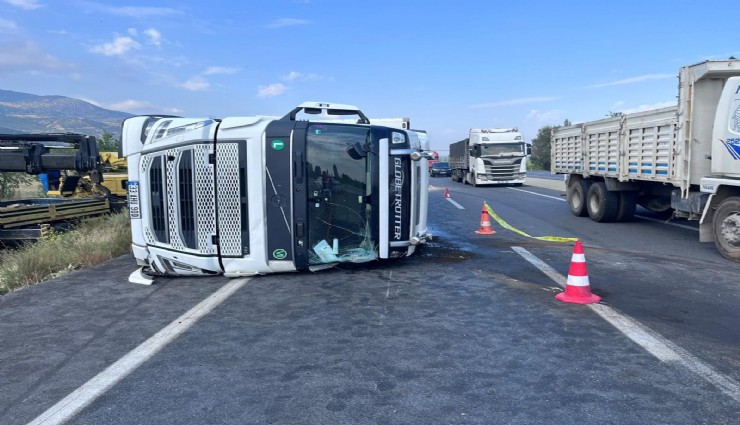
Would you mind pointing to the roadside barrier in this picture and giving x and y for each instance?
(578, 288)
(485, 223)
(506, 225)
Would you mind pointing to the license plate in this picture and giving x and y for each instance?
(134, 209)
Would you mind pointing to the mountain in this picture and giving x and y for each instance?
(29, 113)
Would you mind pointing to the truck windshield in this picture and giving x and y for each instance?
(339, 215)
(502, 149)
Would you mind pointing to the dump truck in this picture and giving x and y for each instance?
(490, 156)
(252, 195)
(682, 160)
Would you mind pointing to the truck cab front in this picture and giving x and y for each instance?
(252, 195)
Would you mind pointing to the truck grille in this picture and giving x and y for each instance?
(232, 199)
(502, 171)
(183, 219)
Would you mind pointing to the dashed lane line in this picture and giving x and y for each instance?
(651, 341)
(460, 207)
(102, 382)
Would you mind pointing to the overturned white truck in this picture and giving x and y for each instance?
(683, 159)
(252, 195)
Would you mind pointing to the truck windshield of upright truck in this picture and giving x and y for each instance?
(339, 176)
(502, 149)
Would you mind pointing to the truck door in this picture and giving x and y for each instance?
(341, 208)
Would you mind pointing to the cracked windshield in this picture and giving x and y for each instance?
(339, 209)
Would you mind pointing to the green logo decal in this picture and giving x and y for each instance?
(279, 254)
(278, 144)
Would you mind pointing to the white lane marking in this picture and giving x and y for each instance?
(645, 337)
(460, 207)
(538, 194)
(69, 406)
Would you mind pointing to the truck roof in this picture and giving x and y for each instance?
(493, 130)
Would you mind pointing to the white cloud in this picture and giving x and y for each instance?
(117, 47)
(196, 84)
(24, 4)
(633, 80)
(129, 105)
(213, 70)
(544, 117)
(155, 37)
(275, 89)
(141, 12)
(642, 108)
(27, 55)
(286, 22)
(133, 32)
(294, 75)
(6, 25)
(173, 111)
(511, 102)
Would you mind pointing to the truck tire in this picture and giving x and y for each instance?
(627, 206)
(576, 197)
(602, 204)
(726, 226)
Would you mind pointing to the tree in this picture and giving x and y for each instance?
(540, 159)
(107, 143)
(10, 182)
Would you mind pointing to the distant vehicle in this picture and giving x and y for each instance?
(683, 159)
(490, 156)
(440, 169)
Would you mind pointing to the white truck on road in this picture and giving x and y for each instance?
(490, 156)
(252, 195)
(683, 159)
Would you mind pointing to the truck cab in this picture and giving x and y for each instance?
(252, 195)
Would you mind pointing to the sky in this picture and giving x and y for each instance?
(448, 66)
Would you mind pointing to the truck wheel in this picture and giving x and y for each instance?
(576, 197)
(627, 206)
(726, 226)
(602, 205)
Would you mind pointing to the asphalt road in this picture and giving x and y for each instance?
(467, 331)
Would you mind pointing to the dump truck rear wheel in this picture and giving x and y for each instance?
(627, 206)
(576, 197)
(602, 204)
(726, 225)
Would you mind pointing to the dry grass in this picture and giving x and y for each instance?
(92, 242)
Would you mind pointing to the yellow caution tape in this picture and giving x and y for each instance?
(506, 225)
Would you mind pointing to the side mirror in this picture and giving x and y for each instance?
(356, 151)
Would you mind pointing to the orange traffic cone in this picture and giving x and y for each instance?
(447, 193)
(577, 288)
(485, 223)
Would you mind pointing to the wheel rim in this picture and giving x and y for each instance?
(576, 200)
(594, 202)
(730, 229)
